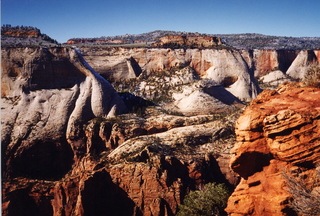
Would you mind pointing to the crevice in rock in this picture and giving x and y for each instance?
(287, 131)
(249, 163)
(228, 81)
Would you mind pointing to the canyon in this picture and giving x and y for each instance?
(130, 131)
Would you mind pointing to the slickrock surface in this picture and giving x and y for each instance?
(278, 132)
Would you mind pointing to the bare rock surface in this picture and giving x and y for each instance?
(133, 166)
(277, 133)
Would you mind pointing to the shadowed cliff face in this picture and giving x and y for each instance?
(277, 133)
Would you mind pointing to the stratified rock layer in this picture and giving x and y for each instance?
(278, 132)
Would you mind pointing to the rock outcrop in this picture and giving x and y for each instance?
(24, 36)
(233, 69)
(264, 61)
(148, 171)
(277, 134)
(274, 79)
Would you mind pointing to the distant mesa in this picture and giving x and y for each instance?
(99, 41)
(168, 41)
(190, 41)
(22, 33)
(18, 36)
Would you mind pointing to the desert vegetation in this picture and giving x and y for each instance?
(305, 191)
(312, 77)
(209, 201)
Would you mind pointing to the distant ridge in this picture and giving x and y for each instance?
(237, 41)
(31, 36)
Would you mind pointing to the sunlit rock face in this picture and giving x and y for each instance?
(300, 65)
(277, 133)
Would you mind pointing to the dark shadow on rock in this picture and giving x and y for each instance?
(45, 160)
(213, 173)
(51, 72)
(135, 66)
(285, 58)
(134, 103)
(251, 162)
(21, 203)
(165, 208)
(221, 94)
(101, 197)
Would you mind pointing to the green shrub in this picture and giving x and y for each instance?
(210, 201)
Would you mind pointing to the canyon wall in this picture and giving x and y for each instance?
(112, 61)
(226, 67)
(65, 151)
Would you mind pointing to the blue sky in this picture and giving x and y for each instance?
(65, 19)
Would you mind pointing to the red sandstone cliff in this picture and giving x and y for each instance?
(279, 132)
